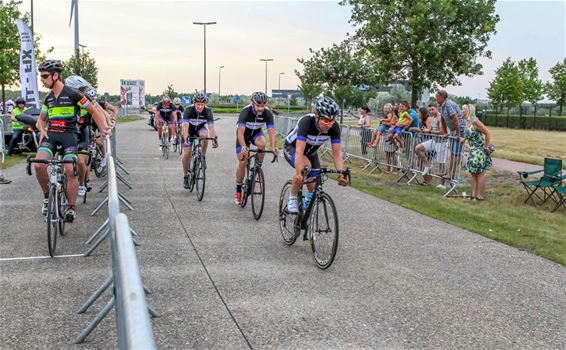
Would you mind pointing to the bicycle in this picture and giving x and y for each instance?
(96, 152)
(178, 145)
(315, 218)
(254, 183)
(58, 201)
(197, 172)
(165, 142)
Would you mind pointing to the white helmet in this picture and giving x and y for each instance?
(76, 82)
(176, 101)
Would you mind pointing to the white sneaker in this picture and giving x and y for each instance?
(441, 187)
(426, 170)
(44, 206)
(292, 206)
(82, 191)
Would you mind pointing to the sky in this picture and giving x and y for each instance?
(157, 42)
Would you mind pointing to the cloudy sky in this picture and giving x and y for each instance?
(156, 40)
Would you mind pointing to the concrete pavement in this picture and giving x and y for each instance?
(223, 280)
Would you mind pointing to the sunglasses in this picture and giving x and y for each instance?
(45, 76)
(326, 121)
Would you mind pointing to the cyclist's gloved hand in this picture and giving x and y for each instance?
(275, 151)
(215, 143)
(106, 132)
(243, 152)
(343, 180)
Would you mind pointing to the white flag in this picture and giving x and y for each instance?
(28, 74)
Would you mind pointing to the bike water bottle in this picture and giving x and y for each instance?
(307, 200)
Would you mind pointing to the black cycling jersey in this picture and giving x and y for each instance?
(62, 111)
(195, 118)
(307, 130)
(254, 122)
(165, 110)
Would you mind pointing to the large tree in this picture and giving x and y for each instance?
(506, 89)
(429, 42)
(556, 90)
(533, 87)
(84, 67)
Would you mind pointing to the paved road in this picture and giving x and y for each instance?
(223, 280)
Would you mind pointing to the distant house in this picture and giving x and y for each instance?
(282, 93)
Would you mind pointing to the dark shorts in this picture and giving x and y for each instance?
(84, 139)
(289, 153)
(194, 131)
(248, 139)
(67, 141)
(397, 130)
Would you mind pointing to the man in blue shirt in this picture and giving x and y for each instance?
(453, 120)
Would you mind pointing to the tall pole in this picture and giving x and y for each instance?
(266, 60)
(204, 24)
(76, 2)
(219, 75)
(32, 19)
(280, 80)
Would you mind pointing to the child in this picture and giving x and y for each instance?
(404, 121)
(384, 125)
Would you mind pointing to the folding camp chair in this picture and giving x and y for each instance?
(560, 192)
(551, 178)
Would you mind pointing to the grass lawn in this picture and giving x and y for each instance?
(130, 118)
(11, 160)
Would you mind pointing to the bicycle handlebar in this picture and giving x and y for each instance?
(346, 172)
(30, 160)
(257, 150)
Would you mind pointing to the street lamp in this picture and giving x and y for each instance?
(280, 80)
(266, 60)
(204, 24)
(219, 75)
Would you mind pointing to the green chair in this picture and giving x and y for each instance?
(560, 192)
(551, 178)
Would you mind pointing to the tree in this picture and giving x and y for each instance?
(85, 67)
(310, 90)
(429, 42)
(557, 90)
(293, 101)
(506, 89)
(533, 87)
(170, 92)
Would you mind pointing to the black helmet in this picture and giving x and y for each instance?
(259, 97)
(20, 100)
(326, 108)
(51, 66)
(200, 96)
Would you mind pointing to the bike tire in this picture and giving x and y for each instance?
(322, 216)
(245, 192)
(286, 220)
(62, 205)
(52, 220)
(192, 180)
(257, 192)
(200, 178)
(97, 161)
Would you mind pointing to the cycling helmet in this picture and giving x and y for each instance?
(327, 108)
(50, 66)
(76, 82)
(20, 100)
(176, 101)
(259, 97)
(165, 98)
(91, 93)
(200, 96)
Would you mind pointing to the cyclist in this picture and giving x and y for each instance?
(17, 127)
(60, 110)
(164, 112)
(302, 143)
(85, 120)
(179, 110)
(252, 118)
(197, 120)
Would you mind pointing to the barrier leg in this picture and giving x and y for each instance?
(100, 229)
(86, 332)
(97, 243)
(97, 293)
(99, 206)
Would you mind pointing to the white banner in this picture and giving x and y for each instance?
(28, 74)
(132, 93)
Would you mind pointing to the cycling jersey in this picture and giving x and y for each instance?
(16, 125)
(253, 124)
(180, 111)
(165, 110)
(62, 111)
(195, 118)
(307, 130)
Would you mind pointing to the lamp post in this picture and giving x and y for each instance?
(266, 60)
(82, 48)
(204, 24)
(280, 74)
(219, 75)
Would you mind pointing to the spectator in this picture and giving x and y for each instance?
(405, 120)
(451, 119)
(432, 147)
(364, 122)
(17, 127)
(384, 124)
(479, 159)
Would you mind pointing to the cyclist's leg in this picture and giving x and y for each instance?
(188, 150)
(171, 127)
(159, 126)
(83, 152)
(69, 146)
(259, 141)
(290, 154)
(45, 151)
(203, 132)
(241, 169)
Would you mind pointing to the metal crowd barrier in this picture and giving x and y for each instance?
(132, 311)
(2, 141)
(444, 165)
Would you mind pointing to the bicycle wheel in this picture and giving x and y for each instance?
(200, 178)
(323, 231)
(97, 162)
(257, 191)
(52, 220)
(192, 175)
(62, 205)
(286, 220)
(245, 191)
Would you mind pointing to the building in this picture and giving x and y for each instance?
(282, 93)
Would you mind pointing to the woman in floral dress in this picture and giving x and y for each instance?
(479, 159)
